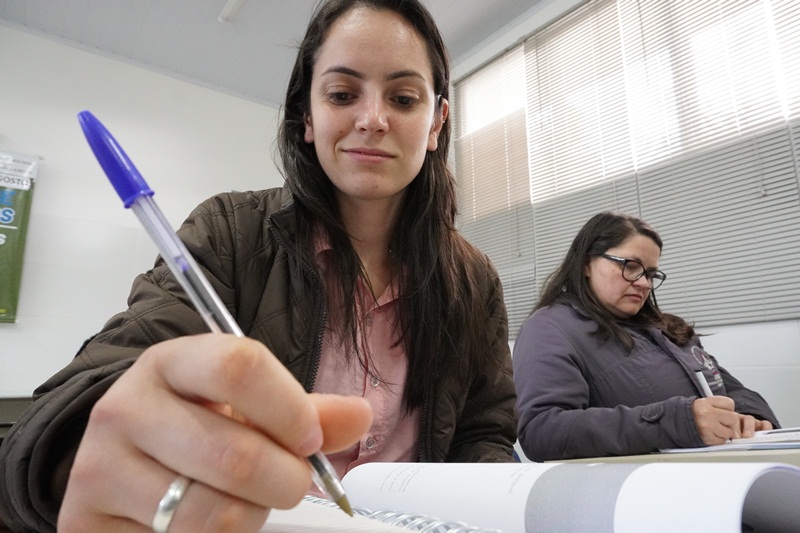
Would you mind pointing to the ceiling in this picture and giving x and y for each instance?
(250, 56)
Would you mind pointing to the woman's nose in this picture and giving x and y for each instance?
(372, 115)
(644, 282)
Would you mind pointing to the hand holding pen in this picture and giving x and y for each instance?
(716, 419)
(204, 432)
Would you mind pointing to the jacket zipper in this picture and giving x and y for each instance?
(322, 308)
(425, 438)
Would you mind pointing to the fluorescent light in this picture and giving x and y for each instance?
(230, 10)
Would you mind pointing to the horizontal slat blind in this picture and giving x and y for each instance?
(492, 162)
(730, 220)
(686, 114)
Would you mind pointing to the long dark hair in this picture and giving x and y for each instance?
(602, 232)
(435, 309)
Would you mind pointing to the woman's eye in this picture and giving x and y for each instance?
(405, 101)
(633, 269)
(340, 97)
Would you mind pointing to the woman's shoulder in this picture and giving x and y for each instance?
(240, 208)
(472, 259)
(230, 219)
(268, 200)
(560, 315)
(557, 310)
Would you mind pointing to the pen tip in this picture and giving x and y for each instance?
(345, 505)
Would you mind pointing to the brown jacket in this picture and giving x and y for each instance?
(245, 244)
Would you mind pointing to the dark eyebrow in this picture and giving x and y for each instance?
(392, 76)
(638, 260)
(641, 262)
(344, 70)
(405, 74)
(647, 268)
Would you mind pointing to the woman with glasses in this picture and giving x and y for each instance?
(600, 370)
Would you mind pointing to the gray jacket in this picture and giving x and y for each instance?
(245, 243)
(578, 396)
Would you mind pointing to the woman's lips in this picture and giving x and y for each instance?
(368, 155)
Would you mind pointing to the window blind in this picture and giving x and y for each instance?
(686, 114)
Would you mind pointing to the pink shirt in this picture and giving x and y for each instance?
(393, 435)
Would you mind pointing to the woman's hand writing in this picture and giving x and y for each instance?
(169, 415)
(717, 422)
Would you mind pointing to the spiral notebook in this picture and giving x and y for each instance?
(315, 515)
(548, 497)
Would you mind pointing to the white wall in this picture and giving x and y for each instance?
(765, 357)
(83, 248)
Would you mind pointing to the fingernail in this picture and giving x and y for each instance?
(313, 442)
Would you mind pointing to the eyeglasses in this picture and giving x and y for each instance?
(632, 270)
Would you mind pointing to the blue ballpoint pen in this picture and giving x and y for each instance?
(138, 196)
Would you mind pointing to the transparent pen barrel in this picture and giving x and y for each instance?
(185, 269)
(215, 314)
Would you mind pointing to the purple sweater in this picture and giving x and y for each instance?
(578, 396)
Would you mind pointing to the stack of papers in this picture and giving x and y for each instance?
(773, 439)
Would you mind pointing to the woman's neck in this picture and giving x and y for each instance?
(370, 226)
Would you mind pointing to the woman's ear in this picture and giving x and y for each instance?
(308, 136)
(442, 109)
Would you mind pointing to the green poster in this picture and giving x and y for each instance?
(17, 176)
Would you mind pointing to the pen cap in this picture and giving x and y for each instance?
(120, 170)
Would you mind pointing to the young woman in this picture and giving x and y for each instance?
(600, 370)
(350, 280)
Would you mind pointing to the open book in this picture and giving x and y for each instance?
(772, 439)
(553, 497)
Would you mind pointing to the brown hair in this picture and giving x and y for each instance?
(437, 305)
(568, 282)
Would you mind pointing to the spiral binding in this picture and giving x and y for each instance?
(411, 522)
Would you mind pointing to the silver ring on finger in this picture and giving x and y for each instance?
(169, 502)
